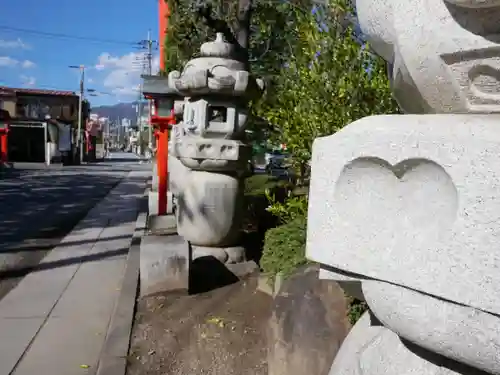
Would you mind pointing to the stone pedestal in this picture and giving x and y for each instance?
(164, 264)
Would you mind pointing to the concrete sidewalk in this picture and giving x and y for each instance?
(56, 320)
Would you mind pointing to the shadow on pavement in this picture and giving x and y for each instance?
(121, 160)
(23, 271)
(45, 242)
(37, 212)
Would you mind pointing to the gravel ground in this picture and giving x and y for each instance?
(219, 332)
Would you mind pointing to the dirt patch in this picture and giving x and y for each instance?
(218, 332)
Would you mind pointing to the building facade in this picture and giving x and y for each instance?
(43, 124)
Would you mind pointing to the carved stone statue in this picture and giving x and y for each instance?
(404, 209)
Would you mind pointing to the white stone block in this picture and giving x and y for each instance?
(414, 201)
(444, 54)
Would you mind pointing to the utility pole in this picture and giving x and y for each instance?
(80, 110)
(147, 66)
(150, 102)
(139, 120)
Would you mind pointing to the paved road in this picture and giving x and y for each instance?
(39, 205)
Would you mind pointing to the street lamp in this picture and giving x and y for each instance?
(80, 103)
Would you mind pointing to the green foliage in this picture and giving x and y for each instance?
(257, 187)
(262, 184)
(185, 34)
(284, 248)
(329, 81)
(355, 309)
(272, 32)
(294, 207)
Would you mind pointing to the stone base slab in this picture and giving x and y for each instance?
(164, 264)
(162, 225)
(153, 203)
(166, 261)
(230, 255)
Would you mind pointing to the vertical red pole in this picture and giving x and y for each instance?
(163, 13)
(162, 161)
(4, 156)
(162, 149)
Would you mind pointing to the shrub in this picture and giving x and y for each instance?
(355, 309)
(257, 188)
(259, 183)
(291, 208)
(284, 248)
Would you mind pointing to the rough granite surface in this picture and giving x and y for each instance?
(400, 199)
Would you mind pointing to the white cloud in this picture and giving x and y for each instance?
(90, 80)
(28, 80)
(27, 64)
(8, 61)
(16, 44)
(123, 72)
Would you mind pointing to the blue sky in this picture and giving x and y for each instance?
(35, 59)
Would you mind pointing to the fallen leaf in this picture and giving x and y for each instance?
(214, 320)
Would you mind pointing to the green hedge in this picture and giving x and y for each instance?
(284, 248)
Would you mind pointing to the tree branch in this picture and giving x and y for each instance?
(244, 17)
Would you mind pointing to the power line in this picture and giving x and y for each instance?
(65, 36)
(37, 86)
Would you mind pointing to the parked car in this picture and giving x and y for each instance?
(276, 165)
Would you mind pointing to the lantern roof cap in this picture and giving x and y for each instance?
(158, 86)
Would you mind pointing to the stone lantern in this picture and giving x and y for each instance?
(210, 144)
(404, 209)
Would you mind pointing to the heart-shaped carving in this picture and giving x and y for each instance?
(485, 81)
(384, 207)
(477, 75)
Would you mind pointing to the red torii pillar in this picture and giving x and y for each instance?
(163, 14)
(163, 123)
(4, 134)
(4, 155)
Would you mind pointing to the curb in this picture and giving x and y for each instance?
(114, 354)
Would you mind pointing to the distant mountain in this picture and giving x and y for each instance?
(118, 111)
